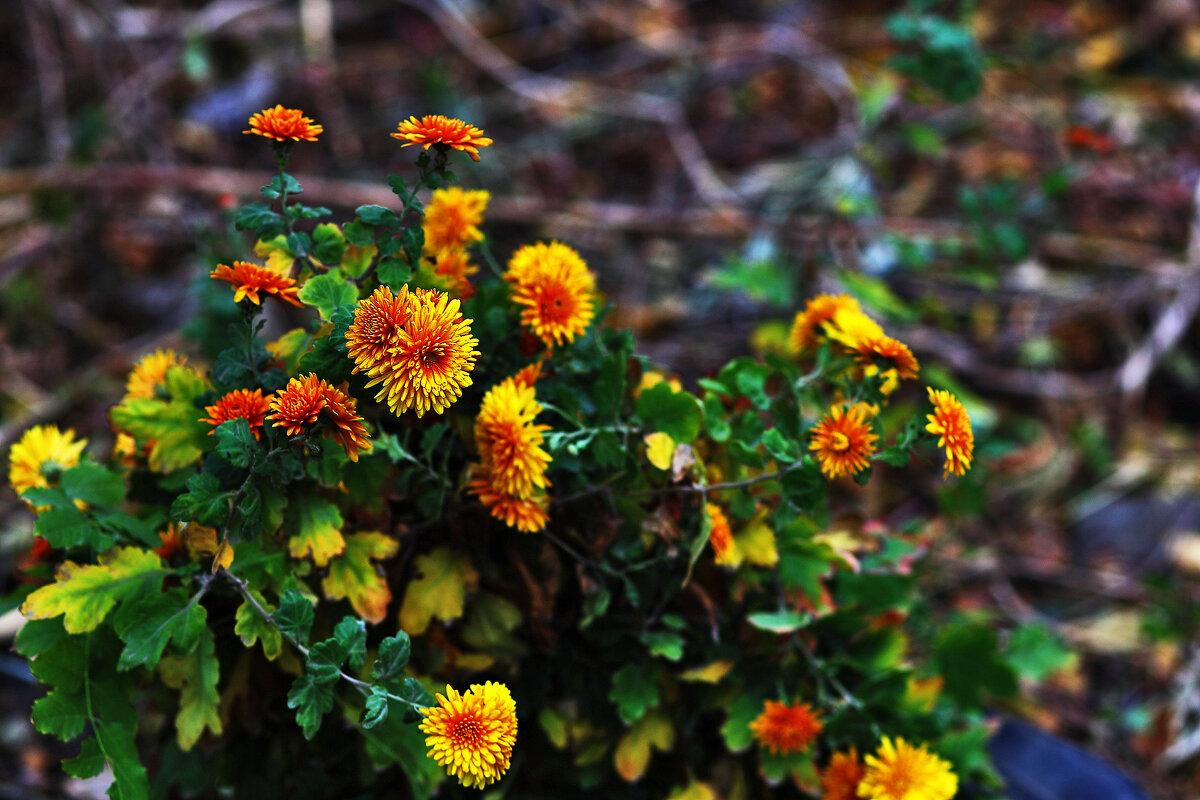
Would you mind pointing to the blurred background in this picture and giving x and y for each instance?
(1009, 185)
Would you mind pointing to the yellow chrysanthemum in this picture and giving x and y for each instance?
(448, 271)
(806, 327)
(850, 327)
(719, 535)
(376, 329)
(784, 729)
(840, 778)
(471, 735)
(555, 288)
(950, 422)
(900, 771)
(843, 441)
(428, 368)
(452, 218)
(436, 129)
(509, 442)
(526, 514)
(282, 124)
(41, 453)
(150, 372)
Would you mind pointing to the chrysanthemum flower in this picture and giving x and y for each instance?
(526, 514)
(850, 327)
(894, 354)
(900, 771)
(840, 778)
(436, 129)
(950, 422)
(251, 406)
(428, 367)
(299, 404)
(41, 453)
(150, 372)
(806, 327)
(449, 270)
(250, 279)
(719, 535)
(376, 329)
(282, 124)
(555, 288)
(528, 375)
(843, 441)
(452, 218)
(784, 729)
(471, 735)
(347, 426)
(509, 442)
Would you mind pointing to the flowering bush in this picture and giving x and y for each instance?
(439, 479)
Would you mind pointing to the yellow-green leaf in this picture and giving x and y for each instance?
(756, 543)
(633, 751)
(316, 523)
(195, 676)
(275, 252)
(696, 790)
(353, 576)
(439, 589)
(659, 449)
(713, 673)
(251, 626)
(85, 594)
(173, 424)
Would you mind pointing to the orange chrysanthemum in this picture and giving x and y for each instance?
(429, 365)
(509, 442)
(282, 124)
(843, 441)
(840, 778)
(347, 427)
(894, 353)
(150, 372)
(526, 514)
(471, 735)
(378, 320)
(449, 272)
(436, 129)
(251, 406)
(900, 771)
(452, 219)
(307, 400)
(528, 375)
(806, 327)
(250, 279)
(41, 453)
(784, 729)
(950, 422)
(719, 534)
(555, 288)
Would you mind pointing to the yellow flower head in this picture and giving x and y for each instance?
(806, 327)
(555, 288)
(784, 729)
(471, 735)
(249, 279)
(526, 514)
(850, 326)
(436, 129)
(950, 422)
(251, 406)
(378, 320)
(719, 535)
(509, 442)
(41, 453)
(452, 218)
(843, 441)
(150, 372)
(281, 124)
(449, 270)
(900, 771)
(893, 354)
(840, 778)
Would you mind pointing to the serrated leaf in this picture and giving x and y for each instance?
(779, 621)
(85, 594)
(118, 741)
(1036, 653)
(413, 241)
(315, 526)
(251, 627)
(664, 643)
(205, 501)
(64, 665)
(634, 690)
(781, 448)
(328, 293)
(89, 763)
(68, 527)
(196, 676)
(968, 658)
(677, 414)
(376, 215)
(312, 701)
(351, 633)
(37, 636)
(325, 660)
(354, 576)
(632, 753)
(438, 590)
(294, 617)
(93, 484)
(278, 183)
(258, 217)
(145, 624)
(743, 709)
(416, 694)
(394, 273)
(60, 713)
(376, 709)
(329, 244)
(235, 441)
(173, 425)
(393, 657)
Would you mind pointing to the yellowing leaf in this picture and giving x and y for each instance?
(200, 540)
(696, 790)
(289, 347)
(659, 449)
(356, 259)
(317, 524)
(713, 673)
(85, 594)
(633, 751)
(223, 558)
(439, 589)
(179, 437)
(922, 693)
(251, 627)
(195, 675)
(755, 543)
(352, 575)
(275, 252)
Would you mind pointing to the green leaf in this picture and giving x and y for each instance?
(358, 234)
(414, 692)
(351, 634)
(664, 643)
(376, 709)
(1035, 652)
(89, 763)
(85, 594)
(714, 418)
(780, 447)
(174, 425)
(147, 623)
(118, 741)
(63, 666)
(780, 621)
(68, 527)
(413, 241)
(743, 710)
(312, 701)
(677, 414)
(394, 273)
(376, 215)
(205, 501)
(260, 218)
(749, 379)
(325, 661)
(251, 627)
(60, 713)
(329, 243)
(93, 484)
(196, 676)
(294, 617)
(967, 656)
(635, 691)
(393, 657)
(328, 293)
(274, 189)
(235, 442)
(37, 636)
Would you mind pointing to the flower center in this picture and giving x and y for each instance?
(839, 442)
(467, 731)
